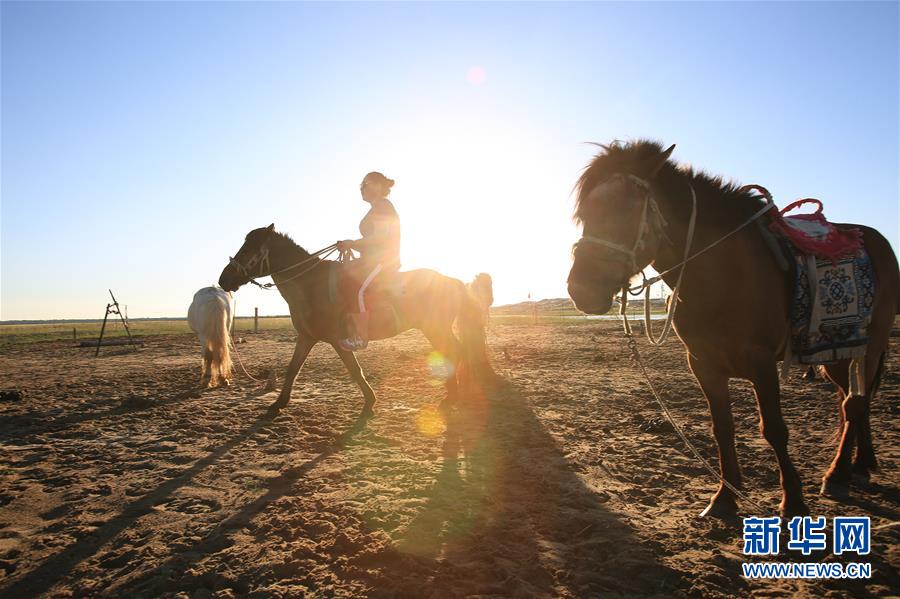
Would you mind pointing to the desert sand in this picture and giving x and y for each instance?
(561, 479)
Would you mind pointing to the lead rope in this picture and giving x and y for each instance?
(632, 345)
(673, 300)
(241, 363)
(770, 203)
(673, 303)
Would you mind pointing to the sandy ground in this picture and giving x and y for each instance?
(561, 481)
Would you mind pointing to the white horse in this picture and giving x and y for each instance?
(210, 316)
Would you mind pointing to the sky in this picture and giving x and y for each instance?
(140, 142)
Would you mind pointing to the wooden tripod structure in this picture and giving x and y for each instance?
(113, 308)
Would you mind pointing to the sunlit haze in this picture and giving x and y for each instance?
(142, 141)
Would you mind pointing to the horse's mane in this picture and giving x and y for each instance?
(283, 241)
(718, 201)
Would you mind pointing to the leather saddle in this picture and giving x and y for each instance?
(383, 296)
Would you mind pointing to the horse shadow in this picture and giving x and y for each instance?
(505, 515)
(58, 567)
(508, 510)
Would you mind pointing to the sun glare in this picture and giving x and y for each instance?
(430, 422)
(476, 76)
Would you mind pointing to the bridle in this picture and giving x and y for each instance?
(652, 220)
(261, 258)
(651, 210)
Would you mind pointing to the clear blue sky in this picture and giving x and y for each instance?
(141, 141)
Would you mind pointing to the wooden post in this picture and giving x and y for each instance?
(74, 334)
(255, 320)
(113, 308)
(102, 328)
(122, 318)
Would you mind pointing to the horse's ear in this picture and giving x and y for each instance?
(662, 160)
(271, 227)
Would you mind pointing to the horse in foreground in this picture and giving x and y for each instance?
(733, 302)
(419, 299)
(210, 316)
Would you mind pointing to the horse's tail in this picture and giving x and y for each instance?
(218, 341)
(471, 322)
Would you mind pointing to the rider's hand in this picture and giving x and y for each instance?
(345, 246)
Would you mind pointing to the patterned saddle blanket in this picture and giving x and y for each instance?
(832, 307)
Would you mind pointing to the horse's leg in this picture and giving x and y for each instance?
(865, 460)
(206, 365)
(714, 384)
(213, 369)
(446, 344)
(301, 350)
(854, 416)
(772, 427)
(356, 373)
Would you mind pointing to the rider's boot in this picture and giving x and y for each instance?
(360, 340)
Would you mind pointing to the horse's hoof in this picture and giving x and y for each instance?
(789, 511)
(834, 490)
(273, 410)
(861, 478)
(719, 510)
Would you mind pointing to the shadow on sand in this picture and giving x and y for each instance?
(513, 518)
(59, 566)
(506, 515)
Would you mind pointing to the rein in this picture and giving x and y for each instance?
(636, 355)
(770, 203)
(263, 259)
(644, 227)
(651, 207)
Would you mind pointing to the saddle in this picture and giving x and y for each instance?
(382, 297)
(833, 286)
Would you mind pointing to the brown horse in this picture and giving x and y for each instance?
(420, 299)
(733, 303)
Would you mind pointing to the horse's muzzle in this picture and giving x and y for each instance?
(589, 299)
(229, 280)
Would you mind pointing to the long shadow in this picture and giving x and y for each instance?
(212, 542)
(507, 497)
(57, 567)
(18, 425)
(506, 516)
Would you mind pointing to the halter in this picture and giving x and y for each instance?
(649, 211)
(262, 258)
(660, 224)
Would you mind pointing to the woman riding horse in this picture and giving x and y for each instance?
(379, 251)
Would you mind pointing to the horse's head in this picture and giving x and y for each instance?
(623, 227)
(251, 261)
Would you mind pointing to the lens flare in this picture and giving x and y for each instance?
(439, 366)
(430, 422)
(476, 76)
